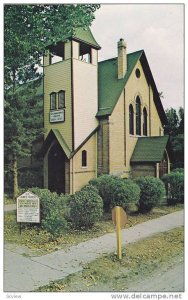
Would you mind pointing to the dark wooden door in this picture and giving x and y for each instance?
(163, 166)
(56, 169)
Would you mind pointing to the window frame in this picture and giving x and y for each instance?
(84, 159)
(59, 107)
(138, 116)
(131, 119)
(145, 122)
(51, 106)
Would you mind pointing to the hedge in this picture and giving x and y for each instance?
(152, 190)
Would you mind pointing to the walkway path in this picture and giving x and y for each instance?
(28, 273)
(9, 207)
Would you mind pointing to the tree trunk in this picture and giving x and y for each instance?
(15, 177)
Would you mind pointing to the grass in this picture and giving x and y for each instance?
(8, 200)
(139, 261)
(42, 242)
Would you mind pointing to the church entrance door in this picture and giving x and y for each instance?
(56, 169)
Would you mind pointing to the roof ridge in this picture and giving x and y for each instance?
(114, 58)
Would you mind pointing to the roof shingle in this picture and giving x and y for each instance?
(149, 149)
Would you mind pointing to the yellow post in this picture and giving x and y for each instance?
(118, 232)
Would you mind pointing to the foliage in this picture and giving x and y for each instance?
(23, 123)
(177, 143)
(126, 192)
(152, 190)
(28, 30)
(29, 177)
(52, 213)
(86, 207)
(173, 121)
(175, 129)
(116, 191)
(180, 170)
(174, 183)
(105, 185)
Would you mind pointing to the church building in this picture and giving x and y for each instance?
(100, 117)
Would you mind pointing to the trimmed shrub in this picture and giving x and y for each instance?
(126, 192)
(106, 186)
(86, 207)
(116, 191)
(151, 192)
(174, 183)
(52, 211)
(180, 170)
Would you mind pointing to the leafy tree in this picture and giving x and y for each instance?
(23, 122)
(173, 122)
(175, 129)
(181, 120)
(28, 30)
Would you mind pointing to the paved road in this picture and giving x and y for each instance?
(168, 279)
(27, 273)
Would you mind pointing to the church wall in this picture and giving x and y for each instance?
(79, 176)
(121, 143)
(156, 125)
(58, 77)
(103, 147)
(117, 139)
(85, 99)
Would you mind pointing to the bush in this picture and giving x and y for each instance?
(116, 191)
(52, 211)
(174, 183)
(152, 190)
(86, 207)
(106, 186)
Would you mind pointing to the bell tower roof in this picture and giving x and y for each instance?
(83, 35)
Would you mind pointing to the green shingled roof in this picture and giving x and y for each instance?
(149, 149)
(110, 87)
(84, 35)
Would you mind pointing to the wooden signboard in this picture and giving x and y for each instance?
(119, 218)
(28, 208)
(122, 216)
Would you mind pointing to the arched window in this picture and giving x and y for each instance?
(138, 116)
(84, 158)
(145, 115)
(131, 119)
(53, 100)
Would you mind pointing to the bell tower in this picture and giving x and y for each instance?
(71, 87)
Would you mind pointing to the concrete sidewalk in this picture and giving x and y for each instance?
(9, 207)
(23, 274)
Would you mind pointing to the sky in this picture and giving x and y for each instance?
(158, 29)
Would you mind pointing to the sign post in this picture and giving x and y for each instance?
(28, 208)
(119, 219)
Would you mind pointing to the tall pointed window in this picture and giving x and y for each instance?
(84, 158)
(53, 100)
(138, 116)
(131, 119)
(145, 115)
(61, 99)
